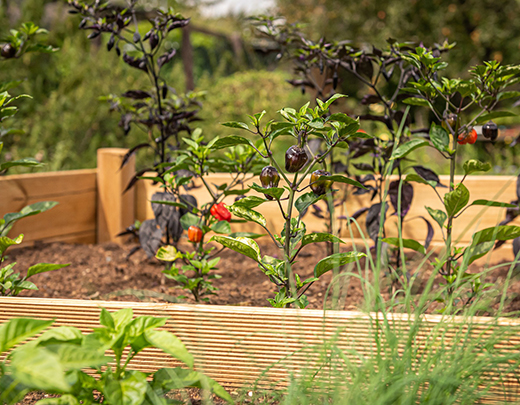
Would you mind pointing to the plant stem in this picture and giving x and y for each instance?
(450, 219)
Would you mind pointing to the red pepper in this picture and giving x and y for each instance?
(194, 234)
(220, 212)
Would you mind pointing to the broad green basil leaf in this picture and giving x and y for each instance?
(17, 330)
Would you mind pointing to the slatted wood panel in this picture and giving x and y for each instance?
(241, 346)
(500, 188)
(72, 220)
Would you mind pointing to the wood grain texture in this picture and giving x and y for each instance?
(248, 346)
(499, 188)
(72, 220)
(115, 208)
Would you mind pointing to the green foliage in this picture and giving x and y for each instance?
(57, 360)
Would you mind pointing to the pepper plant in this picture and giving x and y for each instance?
(301, 171)
(163, 115)
(194, 164)
(449, 100)
(320, 67)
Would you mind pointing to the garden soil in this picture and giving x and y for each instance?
(110, 272)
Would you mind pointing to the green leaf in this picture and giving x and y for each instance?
(474, 252)
(474, 165)
(438, 215)
(251, 201)
(439, 137)
(38, 369)
(320, 237)
(456, 200)
(488, 203)
(105, 319)
(221, 227)
(407, 243)
(168, 254)
(336, 96)
(63, 400)
(44, 267)
(493, 115)
(72, 357)
(129, 391)
(232, 140)
(17, 330)
(417, 101)
(171, 344)
(170, 203)
(306, 200)
(336, 260)
(419, 179)
(342, 117)
(404, 149)
(246, 246)
(67, 334)
(275, 192)
(141, 324)
(5, 242)
(167, 379)
(25, 162)
(188, 220)
(235, 124)
(501, 232)
(337, 178)
(251, 235)
(248, 214)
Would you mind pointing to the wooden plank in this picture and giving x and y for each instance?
(240, 346)
(115, 208)
(501, 188)
(73, 219)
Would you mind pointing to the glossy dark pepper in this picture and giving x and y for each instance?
(295, 159)
(8, 51)
(320, 187)
(269, 177)
(490, 130)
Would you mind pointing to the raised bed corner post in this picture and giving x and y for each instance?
(115, 208)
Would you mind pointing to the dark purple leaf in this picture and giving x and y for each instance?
(370, 99)
(359, 212)
(154, 41)
(518, 188)
(136, 94)
(364, 166)
(94, 34)
(516, 246)
(428, 175)
(131, 152)
(110, 43)
(406, 196)
(125, 121)
(134, 179)
(137, 37)
(364, 66)
(150, 235)
(429, 235)
(179, 23)
(165, 58)
(373, 220)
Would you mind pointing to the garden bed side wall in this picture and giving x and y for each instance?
(244, 346)
(93, 208)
